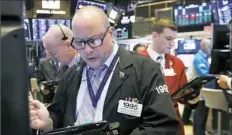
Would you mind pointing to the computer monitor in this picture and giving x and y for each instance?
(220, 36)
(193, 14)
(220, 63)
(220, 53)
(191, 46)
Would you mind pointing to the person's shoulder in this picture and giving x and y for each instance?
(144, 61)
(70, 73)
(144, 53)
(175, 58)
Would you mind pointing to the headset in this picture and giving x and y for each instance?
(64, 36)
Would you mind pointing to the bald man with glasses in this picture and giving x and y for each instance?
(106, 81)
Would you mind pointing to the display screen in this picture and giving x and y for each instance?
(224, 8)
(83, 3)
(193, 14)
(188, 46)
(215, 12)
(41, 26)
(27, 29)
(121, 33)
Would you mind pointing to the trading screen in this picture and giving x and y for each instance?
(224, 8)
(193, 14)
(41, 26)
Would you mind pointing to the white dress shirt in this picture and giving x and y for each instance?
(154, 55)
(83, 88)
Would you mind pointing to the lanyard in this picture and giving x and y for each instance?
(94, 98)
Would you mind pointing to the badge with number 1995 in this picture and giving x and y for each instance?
(130, 108)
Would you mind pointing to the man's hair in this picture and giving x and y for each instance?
(137, 46)
(161, 24)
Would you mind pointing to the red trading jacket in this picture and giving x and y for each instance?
(177, 81)
(174, 82)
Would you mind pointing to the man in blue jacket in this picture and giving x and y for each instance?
(201, 67)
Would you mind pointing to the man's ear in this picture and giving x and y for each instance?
(68, 44)
(111, 32)
(155, 35)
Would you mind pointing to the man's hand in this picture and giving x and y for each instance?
(222, 82)
(39, 115)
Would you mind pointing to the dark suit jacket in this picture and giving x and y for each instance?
(143, 78)
(46, 71)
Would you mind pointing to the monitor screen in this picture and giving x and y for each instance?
(188, 46)
(193, 14)
(224, 8)
(83, 3)
(27, 29)
(121, 32)
(220, 37)
(220, 62)
(41, 26)
(215, 12)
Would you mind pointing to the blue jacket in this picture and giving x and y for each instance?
(202, 67)
(201, 63)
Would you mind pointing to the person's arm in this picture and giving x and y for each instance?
(58, 104)
(200, 67)
(158, 113)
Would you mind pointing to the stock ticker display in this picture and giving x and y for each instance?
(41, 26)
(90, 3)
(224, 9)
(193, 14)
(218, 12)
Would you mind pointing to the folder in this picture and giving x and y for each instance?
(192, 89)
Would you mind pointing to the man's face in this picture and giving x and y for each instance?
(165, 40)
(94, 57)
(57, 52)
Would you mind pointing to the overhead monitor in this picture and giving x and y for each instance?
(193, 14)
(41, 26)
(224, 8)
(82, 3)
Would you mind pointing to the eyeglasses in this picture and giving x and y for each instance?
(93, 43)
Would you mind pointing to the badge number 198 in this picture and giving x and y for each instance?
(130, 108)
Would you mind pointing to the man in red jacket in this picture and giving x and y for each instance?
(163, 36)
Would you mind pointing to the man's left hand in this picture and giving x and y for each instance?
(222, 82)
